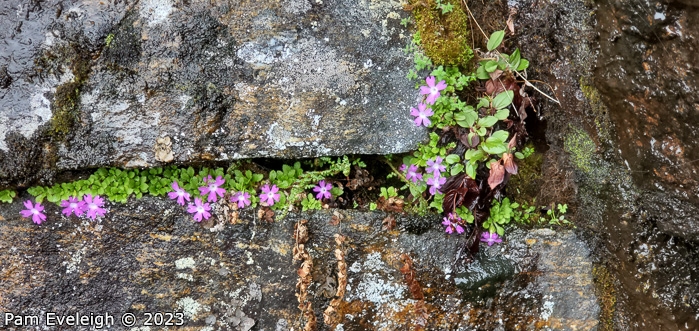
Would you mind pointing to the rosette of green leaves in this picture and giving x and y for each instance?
(7, 196)
(448, 102)
(504, 62)
(500, 215)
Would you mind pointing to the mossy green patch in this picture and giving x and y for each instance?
(581, 148)
(606, 294)
(526, 184)
(600, 112)
(444, 36)
(66, 100)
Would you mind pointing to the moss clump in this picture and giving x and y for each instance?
(444, 36)
(599, 109)
(66, 100)
(581, 148)
(526, 184)
(606, 294)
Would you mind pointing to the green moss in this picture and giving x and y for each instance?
(444, 36)
(526, 184)
(581, 148)
(606, 294)
(66, 100)
(600, 112)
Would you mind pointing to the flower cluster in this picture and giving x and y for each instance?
(433, 178)
(432, 91)
(453, 223)
(213, 190)
(88, 205)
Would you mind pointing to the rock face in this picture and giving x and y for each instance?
(86, 84)
(649, 80)
(236, 272)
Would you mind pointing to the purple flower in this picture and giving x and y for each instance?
(269, 195)
(199, 210)
(422, 114)
(73, 205)
(490, 238)
(413, 175)
(323, 190)
(213, 188)
(435, 183)
(178, 193)
(435, 167)
(432, 90)
(402, 167)
(242, 198)
(34, 211)
(94, 206)
(452, 223)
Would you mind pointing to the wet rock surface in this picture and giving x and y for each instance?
(620, 147)
(646, 75)
(237, 273)
(87, 84)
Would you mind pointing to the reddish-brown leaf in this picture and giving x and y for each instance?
(513, 142)
(460, 191)
(497, 174)
(510, 165)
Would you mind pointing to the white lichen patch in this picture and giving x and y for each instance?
(184, 263)
(185, 276)
(75, 259)
(547, 310)
(377, 289)
(296, 7)
(190, 307)
(155, 11)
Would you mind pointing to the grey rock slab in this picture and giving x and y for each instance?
(221, 81)
(235, 271)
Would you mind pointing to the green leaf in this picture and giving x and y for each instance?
(493, 146)
(490, 66)
(519, 155)
(487, 122)
(474, 155)
(466, 118)
(452, 158)
(502, 114)
(471, 169)
(495, 39)
(457, 169)
(481, 73)
(503, 99)
(499, 136)
(514, 59)
(523, 64)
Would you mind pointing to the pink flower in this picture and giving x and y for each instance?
(323, 190)
(73, 205)
(269, 195)
(199, 210)
(213, 188)
(422, 114)
(93, 206)
(490, 238)
(452, 223)
(34, 211)
(432, 90)
(435, 166)
(178, 193)
(242, 198)
(435, 184)
(412, 174)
